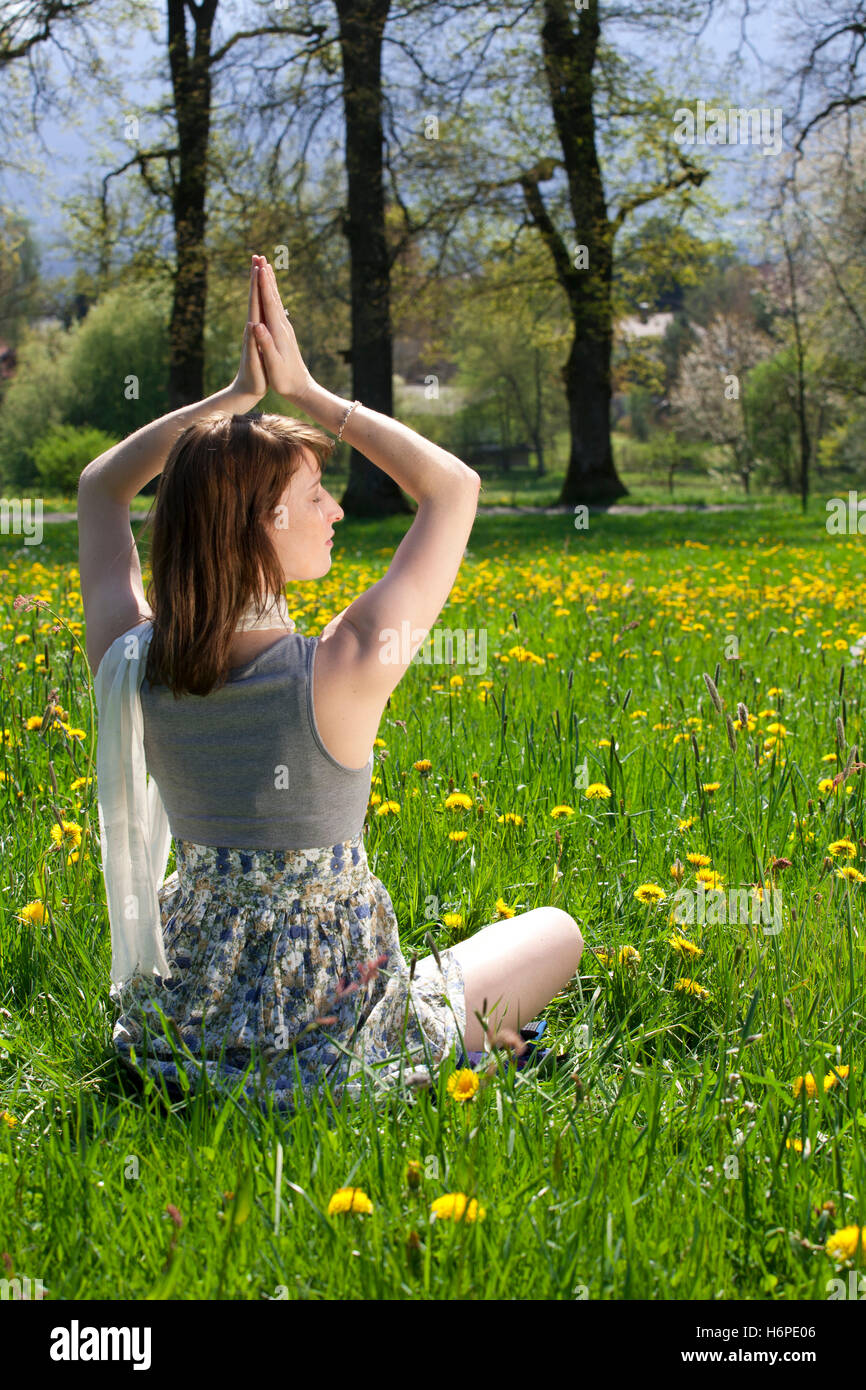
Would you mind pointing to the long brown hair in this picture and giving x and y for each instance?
(211, 553)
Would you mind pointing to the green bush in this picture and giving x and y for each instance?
(62, 452)
(108, 371)
(118, 360)
(32, 403)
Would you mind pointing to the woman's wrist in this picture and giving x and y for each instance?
(322, 405)
(236, 401)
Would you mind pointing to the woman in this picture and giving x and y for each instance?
(261, 957)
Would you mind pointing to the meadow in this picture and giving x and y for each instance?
(698, 1131)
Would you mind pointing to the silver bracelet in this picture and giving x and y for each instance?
(345, 418)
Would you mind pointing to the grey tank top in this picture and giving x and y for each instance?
(245, 767)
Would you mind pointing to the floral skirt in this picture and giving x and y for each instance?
(286, 972)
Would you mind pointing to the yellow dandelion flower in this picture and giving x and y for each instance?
(559, 811)
(686, 824)
(422, 765)
(843, 849)
(453, 919)
(66, 830)
(458, 801)
(826, 785)
(34, 721)
(832, 1079)
(454, 1206)
(808, 1082)
(503, 910)
(9, 1120)
(851, 874)
(597, 790)
(462, 1084)
(846, 1243)
(510, 818)
(523, 654)
(349, 1199)
(629, 956)
(649, 893)
(796, 1144)
(711, 786)
(388, 808)
(701, 861)
(686, 986)
(683, 947)
(457, 834)
(34, 912)
(710, 878)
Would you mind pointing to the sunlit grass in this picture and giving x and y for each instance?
(667, 1155)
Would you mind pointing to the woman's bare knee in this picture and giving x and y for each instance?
(512, 969)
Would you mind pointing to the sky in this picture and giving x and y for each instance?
(95, 135)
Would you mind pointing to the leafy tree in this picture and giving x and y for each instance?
(773, 410)
(658, 260)
(511, 330)
(19, 275)
(710, 400)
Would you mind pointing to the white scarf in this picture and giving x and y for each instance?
(133, 825)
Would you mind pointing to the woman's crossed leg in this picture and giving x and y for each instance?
(517, 966)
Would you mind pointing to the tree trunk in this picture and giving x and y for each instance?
(591, 475)
(191, 83)
(569, 59)
(537, 430)
(370, 491)
(540, 468)
(191, 87)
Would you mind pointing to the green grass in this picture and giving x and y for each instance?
(665, 1174)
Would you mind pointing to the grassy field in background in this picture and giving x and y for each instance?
(672, 1153)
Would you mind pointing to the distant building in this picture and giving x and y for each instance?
(644, 326)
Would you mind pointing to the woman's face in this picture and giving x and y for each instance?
(303, 524)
